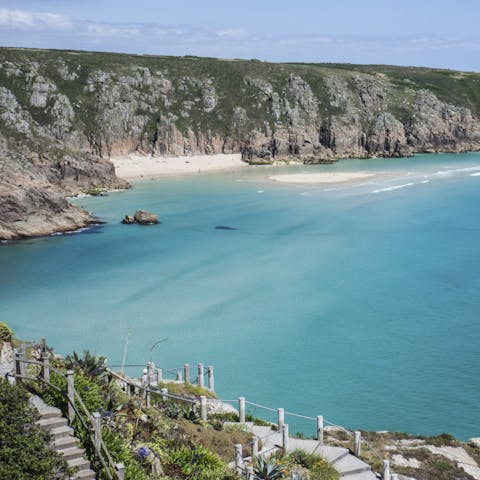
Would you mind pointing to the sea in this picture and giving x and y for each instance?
(359, 302)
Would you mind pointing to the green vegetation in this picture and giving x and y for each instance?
(269, 468)
(95, 191)
(169, 441)
(24, 451)
(319, 469)
(6, 334)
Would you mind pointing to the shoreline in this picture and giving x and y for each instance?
(138, 167)
(323, 178)
(143, 167)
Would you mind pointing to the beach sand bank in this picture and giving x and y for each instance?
(135, 166)
(321, 178)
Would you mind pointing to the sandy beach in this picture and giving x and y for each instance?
(321, 178)
(135, 166)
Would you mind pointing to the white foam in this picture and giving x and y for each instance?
(395, 187)
(259, 191)
(425, 181)
(475, 174)
(458, 170)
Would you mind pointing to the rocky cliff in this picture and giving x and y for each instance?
(63, 114)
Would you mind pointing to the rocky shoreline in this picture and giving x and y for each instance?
(65, 114)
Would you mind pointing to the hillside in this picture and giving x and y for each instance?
(64, 113)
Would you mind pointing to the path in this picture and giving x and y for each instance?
(63, 440)
(346, 464)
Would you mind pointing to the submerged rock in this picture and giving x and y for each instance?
(223, 227)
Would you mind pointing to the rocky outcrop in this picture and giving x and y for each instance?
(63, 114)
(142, 217)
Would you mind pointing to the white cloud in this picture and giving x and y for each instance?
(24, 20)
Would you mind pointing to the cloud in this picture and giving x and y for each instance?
(53, 30)
(24, 20)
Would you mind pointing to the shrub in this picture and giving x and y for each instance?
(269, 468)
(6, 333)
(24, 452)
(195, 463)
(319, 468)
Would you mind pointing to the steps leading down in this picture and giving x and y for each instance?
(63, 440)
(347, 465)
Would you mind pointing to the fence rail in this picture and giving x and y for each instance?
(76, 409)
(149, 385)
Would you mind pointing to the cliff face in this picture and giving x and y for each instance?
(63, 114)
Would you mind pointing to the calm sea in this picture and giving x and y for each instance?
(357, 302)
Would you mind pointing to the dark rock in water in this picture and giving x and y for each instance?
(128, 220)
(223, 227)
(143, 217)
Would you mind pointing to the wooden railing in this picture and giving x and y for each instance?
(90, 422)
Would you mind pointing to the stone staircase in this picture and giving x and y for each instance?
(346, 464)
(63, 440)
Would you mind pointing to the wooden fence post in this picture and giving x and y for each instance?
(394, 476)
(70, 396)
(186, 373)
(145, 384)
(45, 368)
(250, 473)
(285, 438)
(211, 379)
(179, 376)
(386, 470)
(238, 459)
(358, 443)
(254, 447)
(120, 467)
(150, 370)
(320, 429)
(241, 409)
(200, 381)
(159, 375)
(164, 393)
(19, 365)
(97, 431)
(281, 418)
(203, 407)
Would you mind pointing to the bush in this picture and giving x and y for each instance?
(319, 468)
(6, 333)
(24, 451)
(195, 463)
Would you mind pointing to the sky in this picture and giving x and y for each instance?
(434, 33)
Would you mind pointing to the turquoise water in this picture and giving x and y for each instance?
(359, 302)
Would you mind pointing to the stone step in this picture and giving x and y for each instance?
(339, 454)
(71, 453)
(61, 432)
(84, 475)
(350, 465)
(52, 422)
(65, 442)
(262, 432)
(79, 463)
(360, 476)
(333, 454)
(45, 411)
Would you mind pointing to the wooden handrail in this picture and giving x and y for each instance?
(108, 465)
